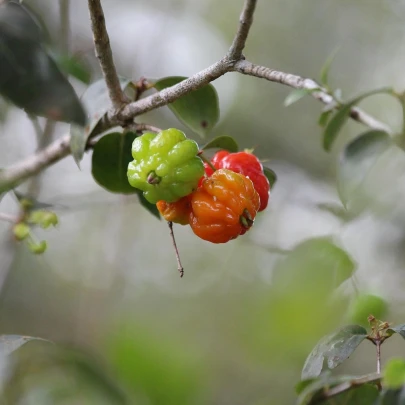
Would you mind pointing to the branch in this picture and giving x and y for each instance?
(298, 82)
(358, 382)
(104, 54)
(245, 22)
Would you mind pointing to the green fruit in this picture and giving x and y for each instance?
(366, 305)
(37, 248)
(165, 166)
(43, 218)
(21, 230)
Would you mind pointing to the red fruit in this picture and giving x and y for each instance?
(247, 164)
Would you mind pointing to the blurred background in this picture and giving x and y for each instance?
(231, 331)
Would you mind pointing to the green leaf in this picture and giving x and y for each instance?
(342, 115)
(326, 67)
(111, 156)
(303, 384)
(271, 176)
(97, 102)
(324, 117)
(355, 163)
(392, 397)
(315, 259)
(334, 348)
(164, 371)
(400, 329)
(10, 343)
(394, 373)
(73, 66)
(365, 305)
(222, 142)
(298, 94)
(29, 77)
(199, 110)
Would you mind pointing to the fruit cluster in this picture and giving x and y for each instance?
(218, 199)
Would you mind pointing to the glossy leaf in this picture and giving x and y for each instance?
(324, 117)
(10, 343)
(199, 110)
(341, 116)
(222, 142)
(326, 67)
(400, 329)
(96, 102)
(356, 161)
(271, 176)
(334, 348)
(29, 77)
(298, 94)
(111, 156)
(146, 204)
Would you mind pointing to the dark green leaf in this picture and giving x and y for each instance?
(97, 102)
(271, 176)
(394, 373)
(356, 161)
(363, 395)
(342, 115)
(73, 66)
(146, 204)
(10, 343)
(111, 156)
(392, 397)
(334, 348)
(222, 142)
(324, 117)
(29, 77)
(301, 385)
(398, 329)
(326, 67)
(199, 110)
(298, 94)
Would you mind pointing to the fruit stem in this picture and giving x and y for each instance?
(206, 160)
(179, 265)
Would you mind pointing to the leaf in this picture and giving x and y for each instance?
(326, 67)
(298, 94)
(199, 110)
(97, 102)
(10, 343)
(400, 329)
(334, 348)
(324, 117)
(146, 204)
(222, 142)
(356, 161)
(339, 119)
(73, 66)
(29, 77)
(392, 397)
(271, 176)
(394, 373)
(315, 259)
(111, 156)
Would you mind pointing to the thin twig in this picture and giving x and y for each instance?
(143, 127)
(245, 22)
(298, 82)
(104, 54)
(179, 265)
(378, 348)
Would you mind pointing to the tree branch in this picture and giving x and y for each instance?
(20, 171)
(245, 22)
(104, 54)
(298, 82)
